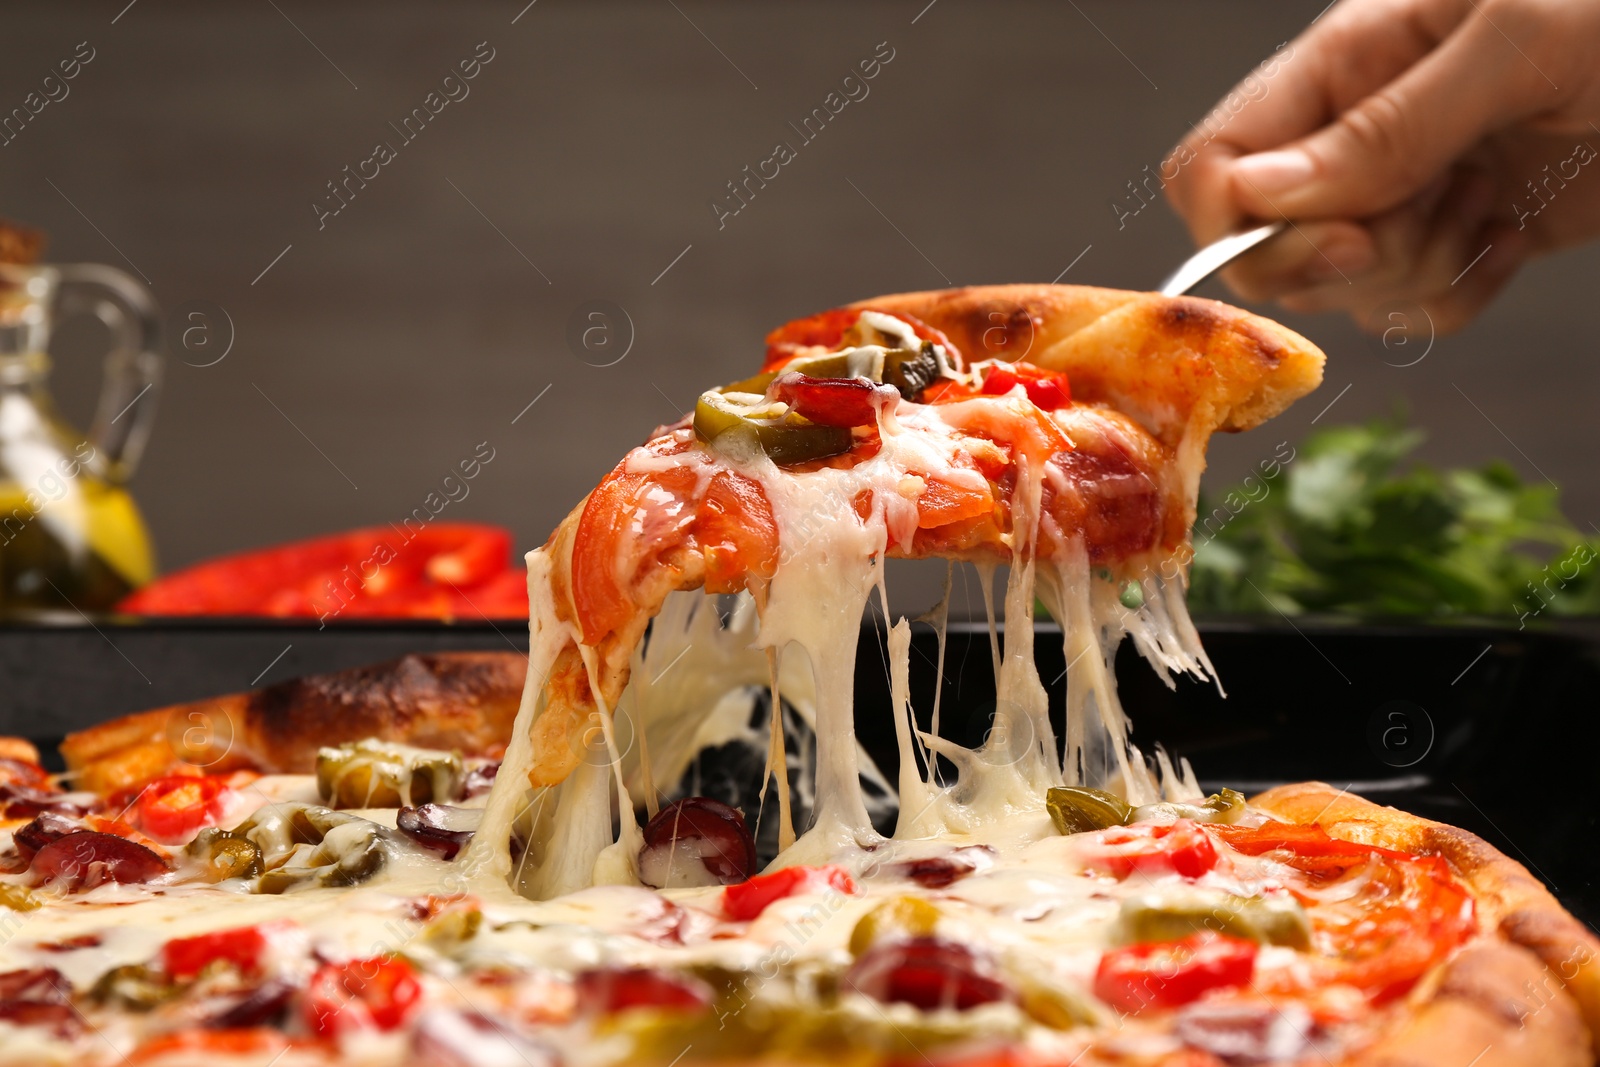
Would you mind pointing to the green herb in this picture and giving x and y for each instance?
(1346, 526)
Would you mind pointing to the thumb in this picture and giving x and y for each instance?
(1389, 146)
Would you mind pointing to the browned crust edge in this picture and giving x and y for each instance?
(450, 700)
(1527, 991)
(1196, 358)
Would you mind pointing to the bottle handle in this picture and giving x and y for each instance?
(132, 376)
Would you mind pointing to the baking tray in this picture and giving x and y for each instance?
(1479, 725)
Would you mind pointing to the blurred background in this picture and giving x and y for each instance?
(375, 348)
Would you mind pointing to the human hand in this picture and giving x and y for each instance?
(1403, 138)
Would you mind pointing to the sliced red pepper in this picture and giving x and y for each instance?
(828, 401)
(1307, 848)
(243, 946)
(173, 809)
(747, 900)
(377, 993)
(1047, 389)
(1167, 974)
(403, 570)
(1179, 847)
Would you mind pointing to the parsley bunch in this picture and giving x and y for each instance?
(1346, 526)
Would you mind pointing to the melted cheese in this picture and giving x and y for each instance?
(830, 563)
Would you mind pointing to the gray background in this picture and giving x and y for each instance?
(415, 325)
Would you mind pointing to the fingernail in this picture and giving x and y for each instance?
(1272, 173)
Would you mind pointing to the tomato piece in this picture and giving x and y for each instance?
(747, 900)
(173, 809)
(944, 502)
(1179, 847)
(243, 946)
(630, 521)
(828, 401)
(377, 993)
(1167, 974)
(827, 329)
(397, 570)
(610, 991)
(736, 532)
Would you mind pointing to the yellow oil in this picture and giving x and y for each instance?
(85, 549)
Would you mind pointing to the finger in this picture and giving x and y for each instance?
(1389, 145)
(1420, 257)
(1350, 52)
(1461, 301)
(1310, 255)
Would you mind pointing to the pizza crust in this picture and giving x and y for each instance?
(465, 701)
(1526, 992)
(1180, 365)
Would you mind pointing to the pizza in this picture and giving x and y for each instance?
(656, 839)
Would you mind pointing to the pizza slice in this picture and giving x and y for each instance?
(888, 429)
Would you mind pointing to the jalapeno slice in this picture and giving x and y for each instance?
(747, 421)
(1224, 806)
(345, 850)
(1079, 809)
(1264, 920)
(372, 774)
(223, 854)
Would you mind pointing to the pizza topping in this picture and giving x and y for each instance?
(1224, 806)
(243, 948)
(38, 996)
(937, 872)
(1170, 973)
(439, 828)
(172, 809)
(303, 844)
(223, 854)
(843, 402)
(1252, 1032)
(1180, 848)
(898, 918)
(747, 900)
(86, 858)
(1047, 389)
(928, 973)
(448, 1038)
(696, 841)
(39, 985)
(46, 827)
(480, 780)
(378, 993)
(606, 992)
(133, 987)
(266, 1004)
(1080, 809)
(1277, 919)
(751, 425)
(375, 774)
